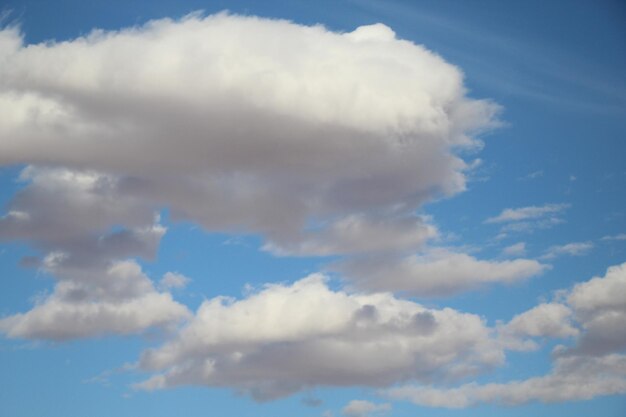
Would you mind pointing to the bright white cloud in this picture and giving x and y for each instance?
(88, 303)
(569, 249)
(280, 341)
(362, 408)
(352, 131)
(436, 273)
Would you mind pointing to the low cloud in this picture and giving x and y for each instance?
(436, 273)
(278, 341)
(362, 408)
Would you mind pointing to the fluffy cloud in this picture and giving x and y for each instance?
(88, 303)
(600, 306)
(595, 365)
(350, 131)
(437, 273)
(362, 408)
(518, 249)
(279, 341)
(545, 320)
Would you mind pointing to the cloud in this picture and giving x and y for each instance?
(174, 280)
(545, 320)
(517, 249)
(336, 125)
(89, 303)
(593, 312)
(324, 143)
(362, 408)
(570, 249)
(278, 341)
(600, 307)
(527, 213)
(620, 236)
(572, 379)
(528, 219)
(436, 273)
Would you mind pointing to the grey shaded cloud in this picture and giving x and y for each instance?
(279, 341)
(435, 273)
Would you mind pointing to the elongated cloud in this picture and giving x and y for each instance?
(436, 273)
(289, 338)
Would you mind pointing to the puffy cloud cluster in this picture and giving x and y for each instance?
(325, 143)
(287, 338)
(593, 313)
(85, 303)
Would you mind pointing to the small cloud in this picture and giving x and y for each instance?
(311, 401)
(518, 249)
(173, 280)
(532, 175)
(570, 249)
(620, 236)
(526, 213)
(362, 408)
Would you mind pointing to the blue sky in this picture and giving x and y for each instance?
(352, 208)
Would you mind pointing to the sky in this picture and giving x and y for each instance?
(335, 208)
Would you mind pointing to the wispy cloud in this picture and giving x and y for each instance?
(570, 249)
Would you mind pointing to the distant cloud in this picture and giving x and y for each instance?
(570, 249)
(527, 213)
(362, 408)
(620, 236)
(527, 219)
(533, 175)
(517, 249)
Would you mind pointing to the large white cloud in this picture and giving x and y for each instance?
(247, 124)
(286, 338)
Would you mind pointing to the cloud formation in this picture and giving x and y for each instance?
(436, 273)
(362, 408)
(593, 313)
(279, 341)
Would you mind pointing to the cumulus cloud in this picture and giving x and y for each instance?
(340, 129)
(279, 341)
(174, 280)
(569, 249)
(362, 408)
(593, 313)
(88, 303)
(324, 143)
(600, 306)
(438, 272)
(552, 320)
